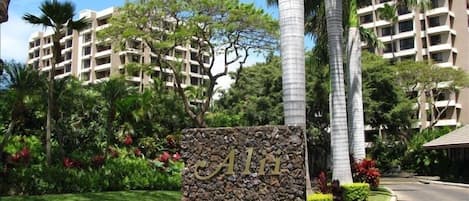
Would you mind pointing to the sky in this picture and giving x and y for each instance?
(15, 33)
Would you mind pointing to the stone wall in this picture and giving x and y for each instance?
(254, 163)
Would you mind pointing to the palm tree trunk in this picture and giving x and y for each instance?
(293, 68)
(339, 139)
(50, 98)
(355, 99)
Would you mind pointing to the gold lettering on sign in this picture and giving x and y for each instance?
(247, 165)
(228, 163)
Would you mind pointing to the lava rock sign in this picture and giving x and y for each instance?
(253, 163)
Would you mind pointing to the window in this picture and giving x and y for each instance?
(194, 81)
(194, 56)
(68, 43)
(366, 19)
(36, 53)
(387, 48)
(206, 59)
(68, 56)
(180, 54)
(194, 68)
(435, 40)
(407, 43)
(87, 38)
(434, 21)
(422, 25)
(103, 47)
(86, 50)
(68, 68)
(46, 51)
(406, 26)
(364, 3)
(102, 74)
(410, 57)
(386, 31)
(437, 57)
(102, 61)
(102, 22)
(402, 10)
(86, 63)
(69, 32)
(85, 76)
(436, 4)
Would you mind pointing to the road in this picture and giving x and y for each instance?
(412, 190)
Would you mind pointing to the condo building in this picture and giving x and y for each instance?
(91, 61)
(440, 33)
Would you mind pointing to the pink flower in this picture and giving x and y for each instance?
(164, 157)
(176, 156)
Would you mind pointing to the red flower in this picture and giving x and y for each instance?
(128, 140)
(176, 156)
(138, 152)
(164, 157)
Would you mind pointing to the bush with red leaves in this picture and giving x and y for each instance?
(98, 160)
(366, 171)
(70, 163)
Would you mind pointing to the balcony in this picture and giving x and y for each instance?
(439, 11)
(440, 47)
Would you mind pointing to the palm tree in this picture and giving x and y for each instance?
(22, 82)
(339, 139)
(112, 91)
(355, 100)
(293, 67)
(59, 17)
(389, 13)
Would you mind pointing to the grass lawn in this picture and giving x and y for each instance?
(379, 194)
(105, 196)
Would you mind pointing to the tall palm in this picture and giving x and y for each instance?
(293, 66)
(389, 13)
(339, 138)
(22, 82)
(417, 6)
(355, 100)
(58, 16)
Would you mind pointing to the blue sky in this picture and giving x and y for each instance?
(15, 32)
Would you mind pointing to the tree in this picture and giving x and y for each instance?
(112, 91)
(387, 108)
(210, 27)
(22, 82)
(4, 10)
(435, 84)
(356, 123)
(59, 17)
(339, 138)
(389, 13)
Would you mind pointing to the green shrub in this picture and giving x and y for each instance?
(320, 197)
(115, 174)
(356, 191)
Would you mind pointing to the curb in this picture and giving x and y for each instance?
(393, 195)
(424, 181)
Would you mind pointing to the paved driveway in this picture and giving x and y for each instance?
(411, 190)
